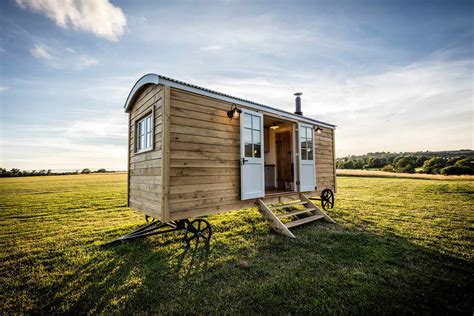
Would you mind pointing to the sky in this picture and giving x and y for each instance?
(392, 75)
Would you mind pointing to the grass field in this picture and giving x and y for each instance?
(399, 246)
(384, 174)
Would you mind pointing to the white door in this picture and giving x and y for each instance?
(252, 173)
(306, 158)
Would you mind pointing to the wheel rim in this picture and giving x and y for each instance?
(198, 229)
(327, 199)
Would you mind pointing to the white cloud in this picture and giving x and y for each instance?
(212, 48)
(41, 52)
(86, 62)
(3, 88)
(57, 58)
(96, 16)
(110, 127)
(84, 142)
(427, 105)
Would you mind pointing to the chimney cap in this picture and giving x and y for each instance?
(298, 94)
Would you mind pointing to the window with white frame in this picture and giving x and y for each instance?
(144, 132)
(306, 136)
(252, 136)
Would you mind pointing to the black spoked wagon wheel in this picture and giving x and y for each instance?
(327, 199)
(197, 229)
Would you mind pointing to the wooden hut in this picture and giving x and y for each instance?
(194, 152)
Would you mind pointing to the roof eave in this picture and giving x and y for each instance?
(157, 79)
(139, 86)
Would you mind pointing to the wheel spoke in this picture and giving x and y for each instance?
(196, 229)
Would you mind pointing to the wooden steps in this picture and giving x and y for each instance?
(297, 212)
(283, 228)
(304, 220)
(277, 207)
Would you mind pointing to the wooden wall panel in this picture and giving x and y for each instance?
(204, 176)
(145, 169)
(205, 152)
(325, 161)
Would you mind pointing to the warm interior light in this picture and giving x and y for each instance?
(234, 112)
(274, 127)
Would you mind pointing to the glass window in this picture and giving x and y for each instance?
(303, 133)
(144, 131)
(310, 149)
(252, 136)
(248, 120)
(247, 135)
(306, 137)
(304, 151)
(255, 122)
(256, 137)
(248, 150)
(257, 151)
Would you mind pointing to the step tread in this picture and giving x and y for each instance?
(297, 212)
(277, 207)
(303, 221)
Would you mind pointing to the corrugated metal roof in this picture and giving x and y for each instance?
(156, 79)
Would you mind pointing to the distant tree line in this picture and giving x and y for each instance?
(444, 163)
(43, 172)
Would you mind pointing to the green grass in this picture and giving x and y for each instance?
(399, 246)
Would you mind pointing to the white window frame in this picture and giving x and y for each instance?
(144, 137)
(307, 169)
(307, 138)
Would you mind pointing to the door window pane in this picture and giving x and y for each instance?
(255, 122)
(248, 150)
(304, 152)
(306, 138)
(256, 137)
(247, 120)
(257, 150)
(303, 133)
(310, 149)
(247, 135)
(252, 137)
(309, 142)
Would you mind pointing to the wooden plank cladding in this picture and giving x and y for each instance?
(193, 167)
(145, 168)
(325, 160)
(205, 153)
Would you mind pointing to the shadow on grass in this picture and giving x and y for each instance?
(328, 269)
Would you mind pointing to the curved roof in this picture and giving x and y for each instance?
(151, 78)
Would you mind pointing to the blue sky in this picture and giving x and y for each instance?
(392, 75)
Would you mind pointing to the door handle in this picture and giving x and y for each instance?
(244, 160)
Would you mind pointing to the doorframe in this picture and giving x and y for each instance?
(295, 161)
(314, 155)
(294, 152)
(242, 151)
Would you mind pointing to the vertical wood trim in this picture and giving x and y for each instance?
(297, 156)
(128, 159)
(334, 157)
(152, 126)
(165, 156)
